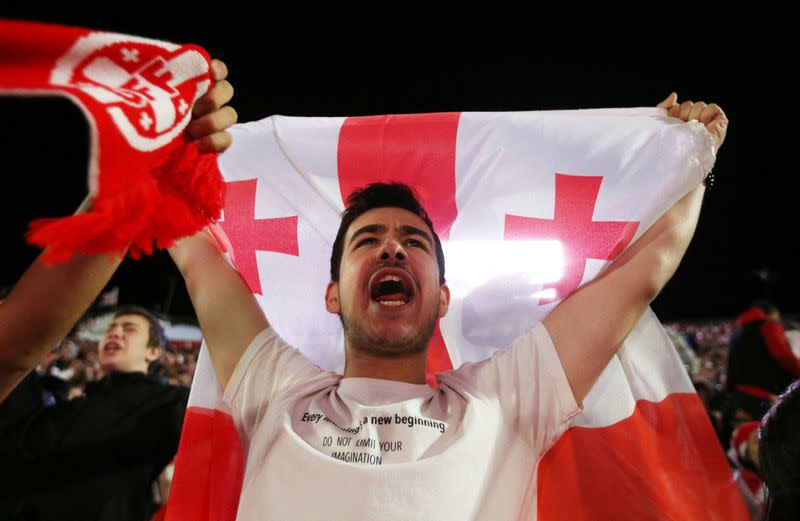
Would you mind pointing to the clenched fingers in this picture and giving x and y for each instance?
(696, 110)
(217, 121)
(219, 71)
(716, 122)
(215, 143)
(216, 98)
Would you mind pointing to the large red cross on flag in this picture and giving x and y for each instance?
(530, 206)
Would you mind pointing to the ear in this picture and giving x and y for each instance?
(153, 353)
(332, 298)
(444, 300)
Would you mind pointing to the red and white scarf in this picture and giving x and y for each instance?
(149, 184)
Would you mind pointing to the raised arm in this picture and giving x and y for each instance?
(30, 322)
(611, 304)
(229, 314)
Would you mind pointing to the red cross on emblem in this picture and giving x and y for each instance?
(145, 86)
(247, 235)
(572, 225)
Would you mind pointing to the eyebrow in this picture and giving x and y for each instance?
(413, 230)
(380, 228)
(370, 228)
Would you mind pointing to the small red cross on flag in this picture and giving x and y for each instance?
(573, 226)
(248, 235)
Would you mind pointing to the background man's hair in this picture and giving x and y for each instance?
(156, 336)
(779, 456)
(381, 195)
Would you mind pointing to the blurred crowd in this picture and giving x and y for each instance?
(742, 371)
(703, 348)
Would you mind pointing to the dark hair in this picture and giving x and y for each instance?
(156, 336)
(381, 195)
(779, 455)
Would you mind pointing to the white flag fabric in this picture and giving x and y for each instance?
(529, 206)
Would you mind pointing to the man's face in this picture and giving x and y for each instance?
(124, 345)
(388, 293)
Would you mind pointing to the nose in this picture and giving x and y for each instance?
(391, 249)
(113, 332)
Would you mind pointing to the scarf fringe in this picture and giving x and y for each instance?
(181, 196)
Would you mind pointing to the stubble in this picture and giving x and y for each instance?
(360, 340)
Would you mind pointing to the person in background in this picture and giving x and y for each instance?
(779, 456)
(97, 456)
(760, 364)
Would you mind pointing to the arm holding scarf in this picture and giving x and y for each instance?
(30, 324)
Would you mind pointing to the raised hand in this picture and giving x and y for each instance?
(211, 115)
(709, 114)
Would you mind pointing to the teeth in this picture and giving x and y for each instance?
(390, 277)
(392, 302)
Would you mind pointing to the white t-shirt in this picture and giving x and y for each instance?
(323, 447)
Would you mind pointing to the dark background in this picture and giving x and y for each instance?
(287, 65)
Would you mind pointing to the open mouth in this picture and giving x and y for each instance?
(391, 288)
(112, 347)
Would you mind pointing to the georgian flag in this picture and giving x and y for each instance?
(530, 206)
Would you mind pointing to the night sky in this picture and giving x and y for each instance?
(282, 66)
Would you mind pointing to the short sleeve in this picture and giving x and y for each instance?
(529, 383)
(268, 367)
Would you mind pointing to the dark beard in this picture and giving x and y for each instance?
(360, 340)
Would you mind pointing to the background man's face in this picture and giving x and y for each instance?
(124, 345)
(388, 293)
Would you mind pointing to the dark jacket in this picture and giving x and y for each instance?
(94, 458)
(760, 358)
